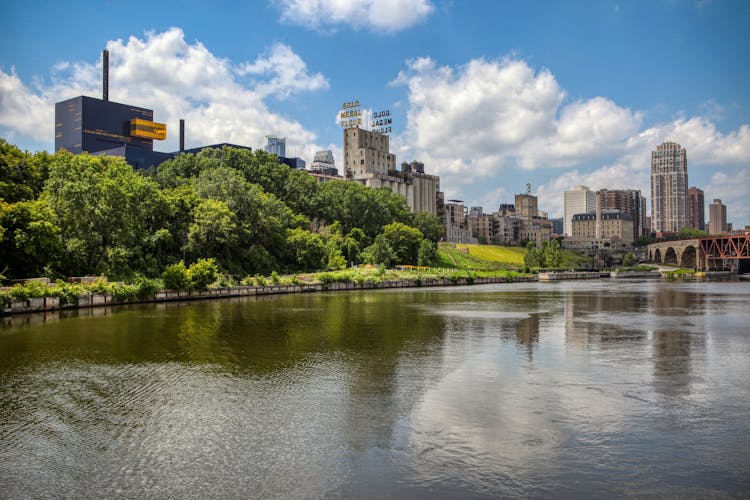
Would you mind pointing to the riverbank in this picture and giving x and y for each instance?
(89, 300)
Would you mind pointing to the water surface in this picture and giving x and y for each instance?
(534, 389)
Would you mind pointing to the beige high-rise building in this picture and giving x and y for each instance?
(367, 160)
(579, 200)
(717, 213)
(669, 185)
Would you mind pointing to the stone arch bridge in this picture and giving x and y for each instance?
(683, 253)
(703, 253)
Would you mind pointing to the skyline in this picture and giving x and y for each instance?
(578, 95)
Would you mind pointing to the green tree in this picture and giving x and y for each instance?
(427, 252)
(380, 252)
(430, 225)
(628, 260)
(105, 212)
(552, 255)
(30, 241)
(534, 257)
(308, 250)
(22, 174)
(691, 232)
(354, 243)
(404, 241)
(214, 232)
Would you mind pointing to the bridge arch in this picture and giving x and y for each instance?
(689, 257)
(657, 256)
(670, 256)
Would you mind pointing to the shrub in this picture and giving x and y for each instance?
(145, 288)
(19, 292)
(275, 278)
(36, 289)
(203, 273)
(176, 277)
(5, 298)
(121, 292)
(260, 280)
(69, 293)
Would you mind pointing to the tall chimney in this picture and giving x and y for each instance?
(182, 135)
(105, 75)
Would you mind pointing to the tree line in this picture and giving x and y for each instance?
(72, 215)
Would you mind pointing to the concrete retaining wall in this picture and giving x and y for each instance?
(98, 300)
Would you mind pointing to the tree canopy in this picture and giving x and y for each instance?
(63, 214)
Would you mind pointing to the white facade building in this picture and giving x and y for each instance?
(579, 200)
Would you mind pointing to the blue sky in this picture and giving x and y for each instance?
(489, 95)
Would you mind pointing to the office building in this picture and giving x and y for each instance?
(628, 201)
(323, 164)
(276, 146)
(579, 200)
(557, 226)
(696, 209)
(669, 185)
(717, 217)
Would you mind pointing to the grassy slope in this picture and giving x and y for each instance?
(491, 257)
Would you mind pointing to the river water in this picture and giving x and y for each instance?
(572, 389)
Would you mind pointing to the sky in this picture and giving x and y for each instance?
(489, 95)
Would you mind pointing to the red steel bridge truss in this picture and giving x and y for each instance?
(726, 247)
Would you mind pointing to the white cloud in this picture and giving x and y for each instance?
(289, 73)
(23, 111)
(375, 15)
(176, 79)
(732, 189)
(489, 120)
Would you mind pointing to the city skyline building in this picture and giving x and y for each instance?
(669, 187)
(628, 201)
(579, 200)
(717, 214)
(696, 208)
(276, 145)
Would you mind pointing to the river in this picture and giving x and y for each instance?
(571, 389)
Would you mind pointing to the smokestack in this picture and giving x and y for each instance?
(105, 75)
(182, 135)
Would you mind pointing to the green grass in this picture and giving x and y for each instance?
(493, 257)
(450, 256)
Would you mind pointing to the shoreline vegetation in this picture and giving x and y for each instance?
(38, 295)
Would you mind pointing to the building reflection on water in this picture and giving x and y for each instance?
(659, 319)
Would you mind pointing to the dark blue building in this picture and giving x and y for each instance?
(100, 126)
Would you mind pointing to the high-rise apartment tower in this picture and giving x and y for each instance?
(669, 186)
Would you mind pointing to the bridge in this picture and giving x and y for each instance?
(703, 253)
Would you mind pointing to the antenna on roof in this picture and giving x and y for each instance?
(528, 188)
